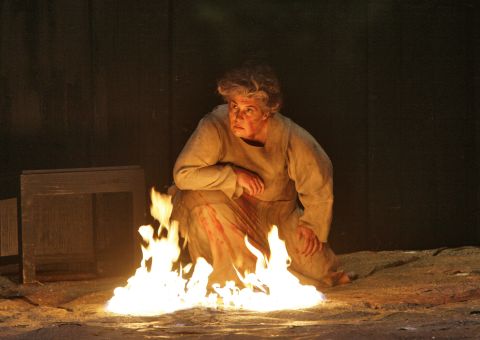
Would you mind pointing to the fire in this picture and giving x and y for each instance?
(159, 289)
(272, 286)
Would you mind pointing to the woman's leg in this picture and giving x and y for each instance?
(215, 229)
(319, 269)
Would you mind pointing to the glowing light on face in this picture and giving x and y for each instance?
(247, 120)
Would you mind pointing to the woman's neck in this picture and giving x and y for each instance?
(260, 138)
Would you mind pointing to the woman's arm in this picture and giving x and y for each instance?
(311, 170)
(197, 167)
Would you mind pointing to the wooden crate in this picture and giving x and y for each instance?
(74, 220)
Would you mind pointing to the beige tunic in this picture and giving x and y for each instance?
(215, 214)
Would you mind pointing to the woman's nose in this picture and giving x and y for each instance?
(237, 114)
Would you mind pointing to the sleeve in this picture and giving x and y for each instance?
(197, 166)
(311, 170)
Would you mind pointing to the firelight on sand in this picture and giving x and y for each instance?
(159, 289)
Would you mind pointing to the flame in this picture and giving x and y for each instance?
(272, 286)
(159, 289)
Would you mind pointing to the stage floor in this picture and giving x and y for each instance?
(430, 294)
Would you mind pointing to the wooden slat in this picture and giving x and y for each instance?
(8, 227)
(476, 108)
(78, 182)
(130, 82)
(421, 125)
(90, 169)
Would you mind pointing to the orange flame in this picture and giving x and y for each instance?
(163, 290)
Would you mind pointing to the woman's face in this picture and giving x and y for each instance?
(247, 120)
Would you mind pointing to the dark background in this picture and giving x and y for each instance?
(389, 88)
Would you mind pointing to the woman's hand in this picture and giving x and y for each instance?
(249, 181)
(311, 242)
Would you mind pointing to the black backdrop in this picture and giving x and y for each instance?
(390, 88)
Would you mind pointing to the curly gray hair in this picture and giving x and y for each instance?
(257, 81)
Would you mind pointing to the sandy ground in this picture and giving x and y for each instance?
(431, 294)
